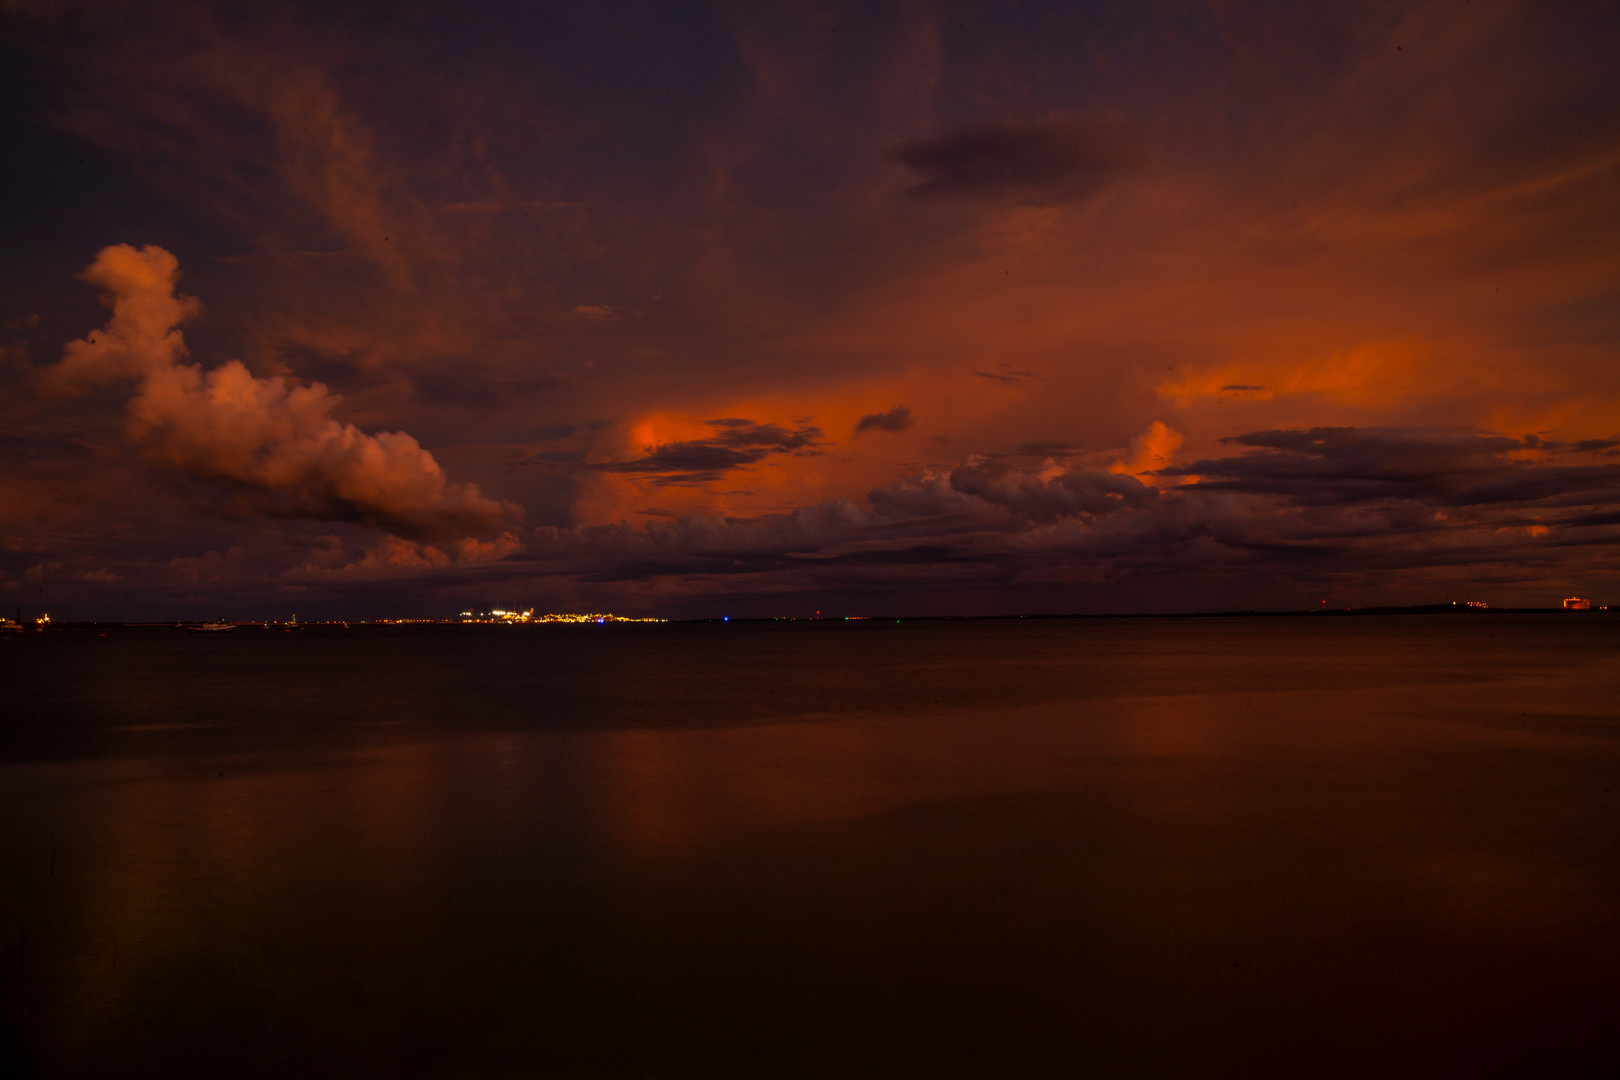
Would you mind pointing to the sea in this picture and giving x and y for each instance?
(1314, 846)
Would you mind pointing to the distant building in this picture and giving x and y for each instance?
(1575, 603)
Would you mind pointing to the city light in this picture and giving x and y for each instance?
(502, 616)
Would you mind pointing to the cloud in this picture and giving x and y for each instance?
(274, 444)
(896, 419)
(1017, 493)
(1432, 466)
(1007, 375)
(142, 337)
(1261, 275)
(396, 558)
(1151, 452)
(1047, 449)
(1055, 159)
(736, 443)
(1295, 504)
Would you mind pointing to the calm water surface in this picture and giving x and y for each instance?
(1115, 848)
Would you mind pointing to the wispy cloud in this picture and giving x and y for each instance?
(1006, 375)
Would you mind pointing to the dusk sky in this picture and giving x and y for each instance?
(885, 309)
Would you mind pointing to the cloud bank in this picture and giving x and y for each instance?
(1320, 505)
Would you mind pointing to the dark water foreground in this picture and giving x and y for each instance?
(1233, 847)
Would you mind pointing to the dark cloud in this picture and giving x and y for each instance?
(1006, 375)
(898, 418)
(1322, 504)
(1055, 159)
(735, 444)
(1443, 467)
(1022, 494)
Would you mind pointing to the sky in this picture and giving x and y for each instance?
(763, 310)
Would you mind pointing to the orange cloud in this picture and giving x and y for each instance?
(142, 337)
(227, 426)
(1150, 451)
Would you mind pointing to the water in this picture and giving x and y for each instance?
(1203, 847)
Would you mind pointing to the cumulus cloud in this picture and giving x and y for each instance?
(143, 335)
(259, 437)
(1058, 158)
(896, 419)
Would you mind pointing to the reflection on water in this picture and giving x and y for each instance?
(1325, 847)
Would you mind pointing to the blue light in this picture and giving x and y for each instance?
(726, 618)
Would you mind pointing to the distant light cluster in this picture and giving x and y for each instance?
(497, 615)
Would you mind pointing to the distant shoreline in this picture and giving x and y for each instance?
(357, 624)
